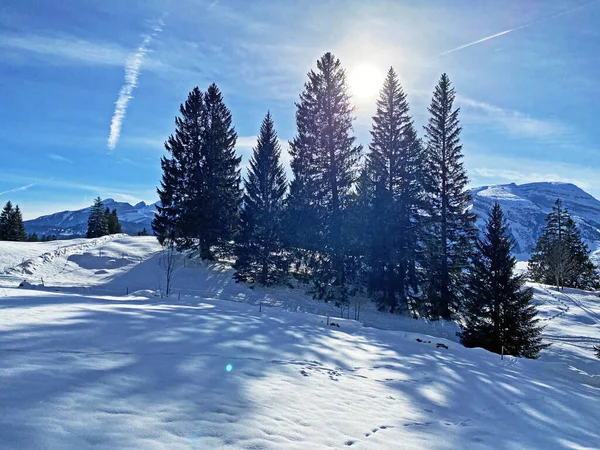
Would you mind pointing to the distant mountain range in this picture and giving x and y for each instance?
(68, 224)
(525, 206)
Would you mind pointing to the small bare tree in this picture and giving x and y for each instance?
(168, 263)
(560, 262)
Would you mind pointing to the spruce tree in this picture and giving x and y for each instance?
(219, 178)
(144, 232)
(114, 226)
(498, 310)
(33, 237)
(184, 147)
(97, 223)
(394, 164)
(11, 224)
(259, 247)
(18, 228)
(451, 231)
(560, 256)
(5, 221)
(325, 167)
(200, 189)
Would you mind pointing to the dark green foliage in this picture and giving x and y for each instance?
(33, 237)
(200, 190)
(112, 220)
(97, 221)
(48, 238)
(259, 247)
(394, 169)
(11, 224)
(498, 310)
(450, 226)
(325, 167)
(144, 232)
(560, 256)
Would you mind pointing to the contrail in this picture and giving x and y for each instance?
(22, 188)
(132, 70)
(502, 33)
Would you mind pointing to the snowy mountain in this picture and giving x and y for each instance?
(526, 207)
(74, 223)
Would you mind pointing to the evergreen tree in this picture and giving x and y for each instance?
(325, 167)
(144, 232)
(184, 147)
(498, 311)
(18, 228)
(97, 223)
(5, 221)
(200, 189)
(259, 250)
(33, 237)
(560, 256)
(112, 219)
(451, 231)
(394, 165)
(11, 224)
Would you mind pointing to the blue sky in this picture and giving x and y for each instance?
(526, 75)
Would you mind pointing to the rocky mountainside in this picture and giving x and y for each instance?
(526, 207)
(74, 223)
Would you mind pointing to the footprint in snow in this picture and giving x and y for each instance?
(305, 373)
(349, 443)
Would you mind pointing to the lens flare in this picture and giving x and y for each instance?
(228, 367)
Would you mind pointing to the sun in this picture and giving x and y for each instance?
(365, 81)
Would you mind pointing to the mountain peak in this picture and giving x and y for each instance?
(141, 204)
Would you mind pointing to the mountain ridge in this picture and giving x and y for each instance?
(525, 205)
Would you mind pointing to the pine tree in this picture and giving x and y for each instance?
(259, 250)
(394, 164)
(325, 167)
(451, 231)
(560, 256)
(498, 311)
(33, 237)
(114, 226)
(144, 232)
(97, 223)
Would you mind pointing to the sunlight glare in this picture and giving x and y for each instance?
(365, 81)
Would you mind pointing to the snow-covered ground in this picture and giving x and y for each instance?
(217, 365)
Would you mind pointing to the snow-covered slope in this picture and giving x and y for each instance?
(526, 207)
(74, 223)
(221, 366)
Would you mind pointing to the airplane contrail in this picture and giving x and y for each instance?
(502, 33)
(132, 71)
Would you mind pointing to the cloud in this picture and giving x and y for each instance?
(59, 158)
(515, 123)
(67, 48)
(21, 188)
(132, 70)
(246, 142)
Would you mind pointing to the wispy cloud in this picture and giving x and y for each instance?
(21, 188)
(58, 158)
(132, 71)
(67, 48)
(515, 123)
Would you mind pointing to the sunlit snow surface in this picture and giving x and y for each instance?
(85, 366)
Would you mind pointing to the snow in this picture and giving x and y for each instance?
(86, 366)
